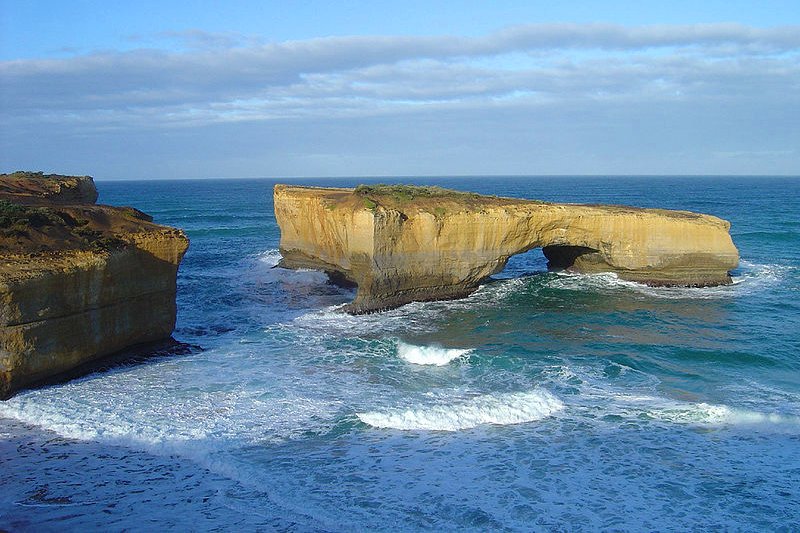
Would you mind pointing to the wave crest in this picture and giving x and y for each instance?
(270, 257)
(501, 409)
(429, 355)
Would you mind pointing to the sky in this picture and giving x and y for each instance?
(201, 89)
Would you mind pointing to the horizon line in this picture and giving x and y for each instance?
(451, 176)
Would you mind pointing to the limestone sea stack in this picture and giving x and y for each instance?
(78, 281)
(401, 244)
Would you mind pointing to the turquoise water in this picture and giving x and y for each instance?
(544, 401)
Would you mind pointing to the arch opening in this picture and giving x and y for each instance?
(563, 257)
(542, 259)
(527, 263)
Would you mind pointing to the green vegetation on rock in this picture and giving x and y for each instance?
(30, 175)
(23, 174)
(406, 193)
(424, 197)
(19, 220)
(15, 216)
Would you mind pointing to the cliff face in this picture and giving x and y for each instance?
(403, 244)
(36, 187)
(78, 281)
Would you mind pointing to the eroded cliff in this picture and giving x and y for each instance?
(78, 281)
(37, 187)
(401, 244)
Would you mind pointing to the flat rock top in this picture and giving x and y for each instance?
(38, 188)
(47, 220)
(412, 198)
(26, 229)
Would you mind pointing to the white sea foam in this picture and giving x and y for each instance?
(609, 281)
(332, 320)
(636, 399)
(705, 414)
(270, 257)
(429, 355)
(415, 316)
(131, 407)
(695, 413)
(747, 278)
(501, 409)
(761, 274)
(305, 276)
(492, 293)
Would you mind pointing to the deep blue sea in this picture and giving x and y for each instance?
(543, 402)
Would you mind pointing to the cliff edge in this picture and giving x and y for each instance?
(78, 281)
(38, 188)
(400, 244)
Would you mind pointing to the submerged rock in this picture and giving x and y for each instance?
(400, 244)
(78, 281)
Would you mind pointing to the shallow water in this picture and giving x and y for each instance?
(543, 401)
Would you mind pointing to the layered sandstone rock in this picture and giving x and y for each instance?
(78, 281)
(36, 187)
(401, 244)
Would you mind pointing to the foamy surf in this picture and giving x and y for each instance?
(88, 410)
(429, 355)
(499, 409)
(704, 414)
(701, 413)
(289, 276)
(761, 274)
(610, 282)
(270, 257)
(745, 279)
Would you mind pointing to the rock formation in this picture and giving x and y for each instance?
(37, 188)
(400, 244)
(78, 281)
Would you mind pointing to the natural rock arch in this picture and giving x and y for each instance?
(401, 244)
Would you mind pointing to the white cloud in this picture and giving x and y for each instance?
(224, 79)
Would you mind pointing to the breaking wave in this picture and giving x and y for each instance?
(500, 409)
(429, 355)
(270, 257)
(703, 414)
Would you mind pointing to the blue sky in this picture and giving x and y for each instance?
(125, 90)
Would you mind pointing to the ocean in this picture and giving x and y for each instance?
(543, 402)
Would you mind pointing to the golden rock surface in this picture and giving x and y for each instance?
(401, 244)
(78, 281)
